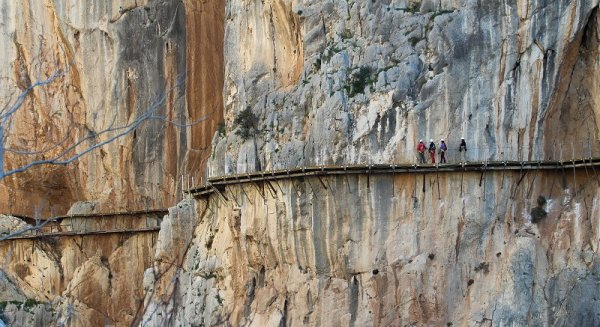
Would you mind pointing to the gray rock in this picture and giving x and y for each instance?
(487, 70)
(82, 208)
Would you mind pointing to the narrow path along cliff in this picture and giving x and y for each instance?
(299, 121)
(383, 249)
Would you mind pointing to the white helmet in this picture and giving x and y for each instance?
(420, 141)
(430, 140)
(442, 140)
(462, 138)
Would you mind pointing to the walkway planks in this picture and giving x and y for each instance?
(96, 215)
(84, 233)
(77, 224)
(220, 182)
(214, 184)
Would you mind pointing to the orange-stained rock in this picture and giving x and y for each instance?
(114, 62)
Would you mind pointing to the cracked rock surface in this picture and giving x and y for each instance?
(114, 61)
(403, 250)
(341, 82)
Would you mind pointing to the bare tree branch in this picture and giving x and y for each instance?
(69, 154)
(38, 226)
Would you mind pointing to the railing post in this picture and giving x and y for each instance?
(561, 155)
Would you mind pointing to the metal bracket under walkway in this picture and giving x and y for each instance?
(473, 166)
(144, 221)
(54, 227)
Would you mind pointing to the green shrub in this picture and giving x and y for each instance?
(246, 124)
(541, 201)
(538, 214)
(359, 80)
(414, 41)
(329, 52)
(29, 304)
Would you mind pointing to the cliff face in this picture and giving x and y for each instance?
(74, 281)
(513, 77)
(115, 61)
(341, 82)
(384, 250)
(328, 82)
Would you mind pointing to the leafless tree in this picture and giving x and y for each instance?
(70, 148)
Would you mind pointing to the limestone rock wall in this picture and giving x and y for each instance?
(516, 78)
(383, 250)
(115, 60)
(329, 82)
(74, 281)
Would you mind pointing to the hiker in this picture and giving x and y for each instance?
(443, 149)
(463, 147)
(432, 151)
(421, 151)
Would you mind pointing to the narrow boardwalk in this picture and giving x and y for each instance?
(146, 221)
(215, 183)
(82, 233)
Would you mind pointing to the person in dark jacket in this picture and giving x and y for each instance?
(432, 151)
(443, 149)
(463, 147)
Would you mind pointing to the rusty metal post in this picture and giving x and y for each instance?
(241, 185)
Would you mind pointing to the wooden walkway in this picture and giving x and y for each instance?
(216, 183)
(57, 227)
(39, 235)
(145, 221)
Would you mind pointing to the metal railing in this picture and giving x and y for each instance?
(560, 154)
(217, 184)
(86, 224)
(561, 151)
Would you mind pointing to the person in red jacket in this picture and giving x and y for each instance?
(421, 151)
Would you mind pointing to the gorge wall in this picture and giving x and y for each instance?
(91, 280)
(362, 81)
(324, 82)
(384, 250)
(116, 62)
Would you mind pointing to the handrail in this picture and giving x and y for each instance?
(49, 225)
(92, 215)
(82, 233)
(220, 181)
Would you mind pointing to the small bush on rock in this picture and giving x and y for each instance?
(359, 80)
(246, 123)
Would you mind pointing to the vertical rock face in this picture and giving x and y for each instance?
(410, 249)
(320, 82)
(89, 281)
(116, 62)
(516, 78)
(376, 76)
(204, 83)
